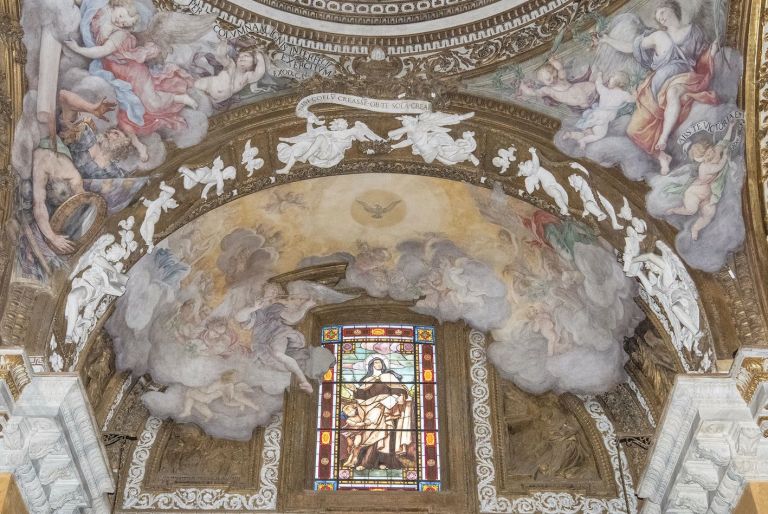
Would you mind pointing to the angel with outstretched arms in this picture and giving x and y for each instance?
(681, 64)
(148, 99)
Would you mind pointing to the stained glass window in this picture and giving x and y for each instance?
(377, 426)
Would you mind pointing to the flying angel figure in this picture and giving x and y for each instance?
(427, 135)
(377, 211)
(209, 176)
(250, 159)
(322, 145)
(150, 92)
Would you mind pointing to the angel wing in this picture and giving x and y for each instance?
(711, 16)
(361, 132)
(318, 292)
(625, 27)
(172, 28)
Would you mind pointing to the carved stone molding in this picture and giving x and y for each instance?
(135, 497)
(711, 441)
(52, 445)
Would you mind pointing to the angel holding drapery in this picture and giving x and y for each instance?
(148, 100)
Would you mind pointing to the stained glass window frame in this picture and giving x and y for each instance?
(412, 341)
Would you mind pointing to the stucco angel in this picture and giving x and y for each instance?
(666, 280)
(536, 176)
(322, 145)
(101, 276)
(149, 98)
(427, 135)
(209, 176)
(579, 184)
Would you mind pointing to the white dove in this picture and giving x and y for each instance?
(506, 157)
(251, 162)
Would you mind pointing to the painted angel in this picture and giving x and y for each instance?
(208, 176)
(427, 135)
(681, 65)
(148, 98)
(322, 145)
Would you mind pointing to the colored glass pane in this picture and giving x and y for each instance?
(377, 424)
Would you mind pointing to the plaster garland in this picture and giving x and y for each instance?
(124, 387)
(544, 502)
(205, 498)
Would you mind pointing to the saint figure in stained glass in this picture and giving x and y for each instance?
(377, 415)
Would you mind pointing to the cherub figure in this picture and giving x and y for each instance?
(232, 392)
(556, 86)
(210, 176)
(248, 68)
(353, 434)
(591, 206)
(595, 121)
(322, 146)
(250, 158)
(163, 203)
(703, 192)
(536, 176)
(505, 157)
(542, 323)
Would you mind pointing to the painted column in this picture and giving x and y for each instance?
(713, 440)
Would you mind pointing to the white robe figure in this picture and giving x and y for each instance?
(428, 137)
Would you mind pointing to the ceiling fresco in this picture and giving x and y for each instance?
(196, 311)
(662, 108)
